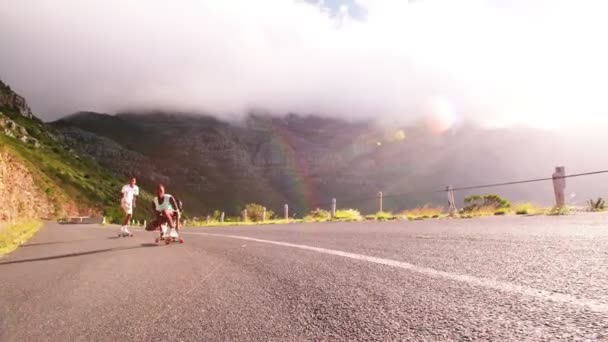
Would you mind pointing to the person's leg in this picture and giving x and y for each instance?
(176, 218)
(126, 220)
(128, 213)
(168, 215)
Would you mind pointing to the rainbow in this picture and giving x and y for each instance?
(282, 142)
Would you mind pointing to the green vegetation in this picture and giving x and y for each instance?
(500, 212)
(527, 209)
(318, 215)
(348, 215)
(599, 205)
(485, 205)
(559, 211)
(63, 175)
(13, 235)
(424, 212)
(382, 216)
(255, 213)
(475, 202)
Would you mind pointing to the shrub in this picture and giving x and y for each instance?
(348, 215)
(526, 209)
(425, 211)
(500, 212)
(318, 215)
(216, 216)
(385, 216)
(599, 205)
(381, 216)
(255, 212)
(559, 211)
(481, 205)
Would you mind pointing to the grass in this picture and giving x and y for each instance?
(381, 216)
(64, 176)
(213, 223)
(318, 215)
(13, 235)
(424, 212)
(343, 215)
(501, 212)
(559, 211)
(527, 209)
(348, 215)
(487, 210)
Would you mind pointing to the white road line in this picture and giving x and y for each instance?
(590, 304)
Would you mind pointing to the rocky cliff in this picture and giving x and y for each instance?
(40, 177)
(21, 196)
(14, 102)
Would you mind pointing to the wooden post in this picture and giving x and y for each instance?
(208, 219)
(286, 212)
(264, 214)
(333, 208)
(222, 217)
(244, 215)
(452, 211)
(145, 223)
(103, 221)
(559, 185)
(380, 201)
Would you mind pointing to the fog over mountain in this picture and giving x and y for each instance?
(495, 62)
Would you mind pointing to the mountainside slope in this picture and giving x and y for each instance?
(307, 160)
(43, 178)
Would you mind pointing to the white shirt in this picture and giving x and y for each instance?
(129, 192)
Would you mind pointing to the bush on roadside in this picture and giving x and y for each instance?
(526, 209)
(477, 202)
(500, 212)
(559, 211)
(255, 213)
(318, 215)
(599, 205)
(348, 215)
(426, 211)
(485, 205)
(385, 216)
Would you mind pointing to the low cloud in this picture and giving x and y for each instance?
(497, 62)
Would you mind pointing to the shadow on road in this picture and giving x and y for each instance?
(71, 255)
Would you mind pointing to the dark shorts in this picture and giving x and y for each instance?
(160, 220)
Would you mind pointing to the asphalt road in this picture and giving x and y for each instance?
(508, 278)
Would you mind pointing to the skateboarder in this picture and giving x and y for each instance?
(129, 194)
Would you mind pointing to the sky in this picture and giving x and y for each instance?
(540, 63)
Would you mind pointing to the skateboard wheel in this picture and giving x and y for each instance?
(167, 241)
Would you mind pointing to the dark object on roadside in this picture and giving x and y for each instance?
(598, 205)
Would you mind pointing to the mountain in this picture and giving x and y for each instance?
(40, 177)
(307, 160)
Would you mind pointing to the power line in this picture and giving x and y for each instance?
(528, 181)
(404, 194)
